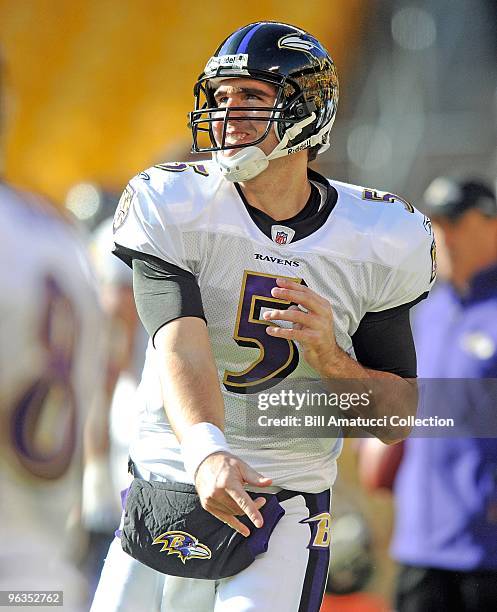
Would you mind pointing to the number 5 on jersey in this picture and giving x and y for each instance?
(278, 357)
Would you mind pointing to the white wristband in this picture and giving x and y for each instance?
(200, 441)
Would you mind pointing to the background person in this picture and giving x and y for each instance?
(110, 425)
(49, 377)
(445, 533)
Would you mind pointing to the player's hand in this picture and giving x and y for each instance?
(220, 481)
(313, 328)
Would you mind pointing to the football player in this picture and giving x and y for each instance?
(49, 376)
(252, 271)
(110, 423)
(49, 373)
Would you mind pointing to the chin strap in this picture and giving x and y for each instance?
(249, 162)
(243, 166)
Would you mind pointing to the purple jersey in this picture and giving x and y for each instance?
(446, 488)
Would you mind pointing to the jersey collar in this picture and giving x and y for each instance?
(305, 222)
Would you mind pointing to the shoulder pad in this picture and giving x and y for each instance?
(183, 188)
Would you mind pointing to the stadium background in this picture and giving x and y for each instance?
(99, 89)
(102, 87)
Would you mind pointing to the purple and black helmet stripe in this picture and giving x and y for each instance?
(242, 48)
(231, 44)
(239, 41)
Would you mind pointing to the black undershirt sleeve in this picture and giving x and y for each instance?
(383, 341)
(163, 292)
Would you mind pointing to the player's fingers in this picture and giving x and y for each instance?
(225, 505)
(259, 502)
(297, 325)
(247, 505)
(309, 300)
(228, 506)
(220, 500)
(233, 522)
(291, 284)
(294, 315)
(298, 335)
(252, 477)
(305, 291)
(286, 283)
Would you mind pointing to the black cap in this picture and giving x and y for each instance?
(450, 198)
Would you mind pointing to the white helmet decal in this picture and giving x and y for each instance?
(235, 62)
(295, 42)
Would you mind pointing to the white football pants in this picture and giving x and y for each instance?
(289, 577)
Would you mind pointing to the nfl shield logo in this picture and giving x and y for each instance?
(281, 234)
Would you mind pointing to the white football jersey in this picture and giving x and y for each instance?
(374, 252)
(50, 324)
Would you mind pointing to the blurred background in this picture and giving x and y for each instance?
(94, 91)
(100, 89)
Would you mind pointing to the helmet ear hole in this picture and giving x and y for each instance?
(304, 108)
(295, 112)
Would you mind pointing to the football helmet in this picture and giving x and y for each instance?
(305, 103)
